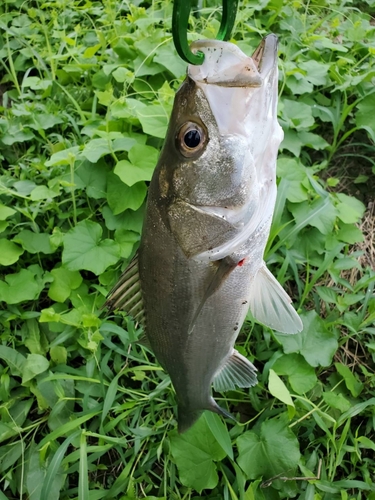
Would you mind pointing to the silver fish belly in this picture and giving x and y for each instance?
(209, 210)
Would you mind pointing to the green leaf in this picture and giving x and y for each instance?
(337, 401)
(42, 193)
(154, 120)
(366, 443)
(143, 67)
(350, 210)
(83, 477)
(272, 451)
(35, 364)
(133, 221)
(328, 44)
(64, 157)
(121, 75)
(33, 340)
(127, 108)
(195, 452)
(351, 381)
(17, 416)
(10, 454)
(356, 410)
(126, 142)
(110, 397)
(67, 428)
(9, 252)
(126, 239)
(6, 212)
(220, 431)
(96, 148)
(298, 84)
(300, 374)
(141, 166)
(316, 343)
(54, 467)
(94, 178)
(349, 233)
(316, 72)
(13, 136)
(297, 114)
(121, 197)
(34, 242)
(19, 287)
(320, 213)
(327, 294)
(293, 175)
(13, 359)
(84, 249)
(365, 116)
(44, 121)
(278, 389)
(91, 51)
(167, 56)
(59, 354)
(64, 281)
(311, 140)
(291, 142)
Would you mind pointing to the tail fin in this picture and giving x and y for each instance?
(220, 411)
(187, 418)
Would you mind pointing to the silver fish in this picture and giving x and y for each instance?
(210, 204)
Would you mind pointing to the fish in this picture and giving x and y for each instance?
(199, 267)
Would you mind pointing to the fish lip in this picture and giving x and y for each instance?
(265, 55)
(226, 65)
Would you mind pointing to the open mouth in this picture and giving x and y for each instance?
(226, 65)
(265, 54)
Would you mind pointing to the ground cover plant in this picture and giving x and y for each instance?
(85, 412)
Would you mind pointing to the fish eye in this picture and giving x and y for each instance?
(191, 139)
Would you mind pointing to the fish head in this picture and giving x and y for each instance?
(218, 160)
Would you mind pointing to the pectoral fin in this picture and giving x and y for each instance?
(197, 230)
(271, 305)
(225, 267)
(236, 372)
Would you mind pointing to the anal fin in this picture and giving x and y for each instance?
(236, 372)
(271, 305)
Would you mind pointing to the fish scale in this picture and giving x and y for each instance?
(208, 216)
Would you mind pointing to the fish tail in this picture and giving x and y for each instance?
(187, 418)
(214, 407)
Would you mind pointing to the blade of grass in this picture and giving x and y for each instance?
(83, 481)
(54, 466)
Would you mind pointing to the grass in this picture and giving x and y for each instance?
(85, 411)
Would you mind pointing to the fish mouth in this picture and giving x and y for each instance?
(265, 55)
(226, 65)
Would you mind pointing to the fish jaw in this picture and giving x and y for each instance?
(242, 95)
(240, 89)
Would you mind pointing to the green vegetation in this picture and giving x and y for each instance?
(85, 413)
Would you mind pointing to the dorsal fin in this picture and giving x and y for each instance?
(126, 294)
(237, 371)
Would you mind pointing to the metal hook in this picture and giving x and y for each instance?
(180, 20)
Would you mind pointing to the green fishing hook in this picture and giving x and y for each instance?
(180, 20)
